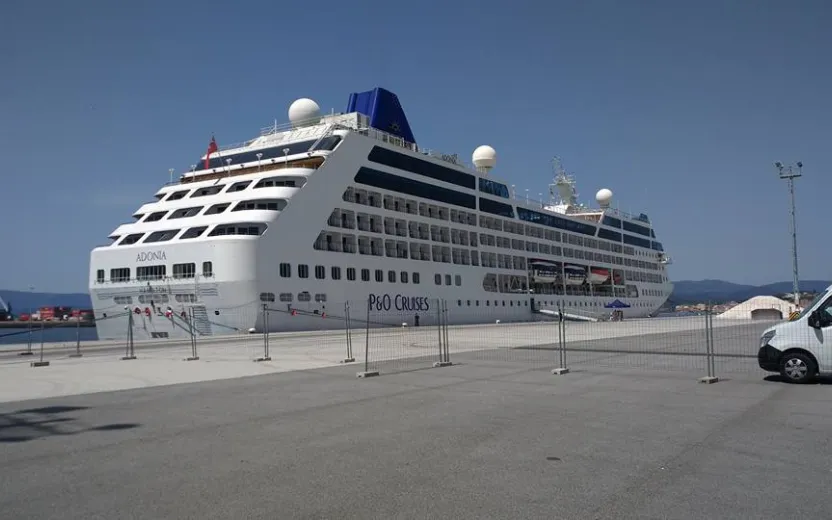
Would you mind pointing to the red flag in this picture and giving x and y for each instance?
(212, 147)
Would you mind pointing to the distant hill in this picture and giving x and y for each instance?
(719, 291)
(24, 301)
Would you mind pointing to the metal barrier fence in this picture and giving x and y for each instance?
(381, 336)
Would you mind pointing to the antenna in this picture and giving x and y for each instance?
(789, 175)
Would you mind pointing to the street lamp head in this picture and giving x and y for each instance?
(778, 165)
(799, 164)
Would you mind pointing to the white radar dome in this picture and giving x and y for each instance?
(484, 157)
(304, 112)
(604, 196)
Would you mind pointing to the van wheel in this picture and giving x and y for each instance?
(796, 367)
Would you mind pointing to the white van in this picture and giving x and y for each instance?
(801, 349)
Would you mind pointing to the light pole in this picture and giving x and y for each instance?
(790, 175)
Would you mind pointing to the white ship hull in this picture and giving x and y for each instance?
(229, 299)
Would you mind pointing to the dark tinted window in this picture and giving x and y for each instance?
(218, 161)
(555, 221)
(612, 222)
(636, 241)
(496, 208)
(493, 188)
(635, 228)
(194, 232)
(161, 236)
(421, 167)
(657, 246)
(398, 184)
(608, 234)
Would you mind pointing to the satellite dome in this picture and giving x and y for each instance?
(484, 157)
(304, 112)
(604, 196)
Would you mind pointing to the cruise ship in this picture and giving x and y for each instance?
(347, 207)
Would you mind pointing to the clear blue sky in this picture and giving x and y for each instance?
(680, 108)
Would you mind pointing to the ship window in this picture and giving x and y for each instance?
(210, 190)
(216, 209)
(379, 275)
(351, 274)
(404, 276)
(161, 236)
(261, 204)
(274, 182)
(156, 216)
(285, 270)
(320, 272)
(611, 221)
(328, 143)
(657, 246)
(458, 280)
(496, 208)
(437, 279)
(122, 300)
(365, 275)
(120, 274)
(320, 297)
(635, 228)
(493, 188)
(185, 212)
(391, 276)
(555, 221)
(193, 232)
(286, 297)
(131, 239)
(636, 241)
(415, 277)
(238, 186)
(266, 297)
(251, 156)
(421, 167)
(398, 184)
(336, 273)
(207, 269)
(150, 272)
(608, 234)
(303, 271)
(176, 195)
(184, 298)
(447, 279)
(304, 296)
(99, 276)
(184, 270)
(238, 229)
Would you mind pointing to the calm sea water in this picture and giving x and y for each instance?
(54, 335)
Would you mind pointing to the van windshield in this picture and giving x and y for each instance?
(811, 305)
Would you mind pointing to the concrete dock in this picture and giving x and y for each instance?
(495, 436)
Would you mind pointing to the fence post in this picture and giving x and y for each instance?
(191, 317)
(347, 326)
(28, 351)
(447, 344)
(709, 348)
(562, 368)
(77, 353)
(441, 323)
(40, 363)
(266, 356)
(131, 351)
(367, 372)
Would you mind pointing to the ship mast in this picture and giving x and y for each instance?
(562, 191)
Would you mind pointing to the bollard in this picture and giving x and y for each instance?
(266, 356)
(347, 325)
(562, 368)
(77, 353)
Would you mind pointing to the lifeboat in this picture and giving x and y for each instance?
(574, 274)
(598, 276)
